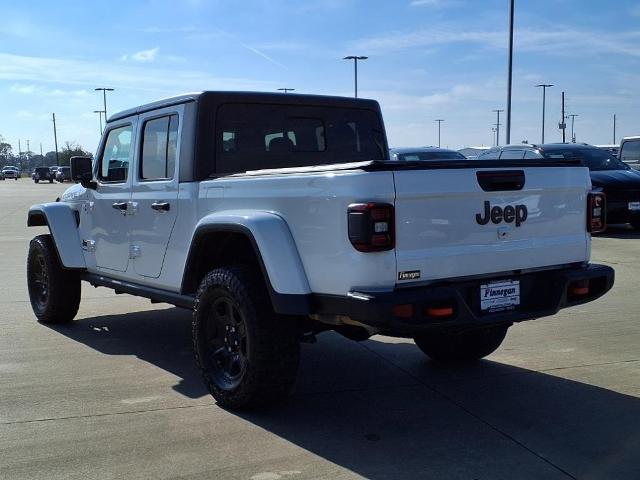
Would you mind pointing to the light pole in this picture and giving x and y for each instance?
(544, 99)
(614, 128)
(100, 112)
(55, 138)
(286, 90)
(104, 98)
(573, 119)
(440, 120)
(510, 71)
(355, 59)
(498, 127)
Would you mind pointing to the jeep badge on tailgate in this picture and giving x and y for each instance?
(507, 214)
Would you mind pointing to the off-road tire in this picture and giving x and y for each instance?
(60, 299)
(468, 346)
(270, 347)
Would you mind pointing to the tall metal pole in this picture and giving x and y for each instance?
(498, 127)
(563, 127)
(100, 112)
(510, 71)
(41, 155)
(355, 59)
(573, 118)
(544, 100)
(614, 128)
(55, 138)
(104, 99)
(440, 120)
(28, 149)
(19, 149)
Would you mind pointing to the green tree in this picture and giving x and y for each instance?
(6, 152)
(71, 149)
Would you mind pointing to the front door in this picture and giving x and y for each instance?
(155, 190)
(111, 203)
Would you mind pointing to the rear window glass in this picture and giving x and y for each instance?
(255, 136)
(426, 156)
(630, 152)
(593, 158)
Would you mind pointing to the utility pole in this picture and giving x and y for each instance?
(55, 138)
(440, 120)
(100, 112)
(286, 90)
(510, 71)
(355, 59)
(28, 150)
(614, 128)
(498, 127)
(104, 98)
(19, 150)
(562, 125)
(41, 155)
(573, 119)
(544, 100)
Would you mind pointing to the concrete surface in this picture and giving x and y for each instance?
(117, 395)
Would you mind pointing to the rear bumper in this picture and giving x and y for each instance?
(541, 294)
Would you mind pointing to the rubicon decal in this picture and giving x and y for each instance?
(508, 214)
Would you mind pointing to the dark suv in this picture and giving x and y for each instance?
(615, 178)
(42, 174)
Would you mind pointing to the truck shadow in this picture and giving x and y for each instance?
(382, 410)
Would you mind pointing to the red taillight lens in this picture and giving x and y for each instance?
(579, 288)
(371, 226)
(596, 212)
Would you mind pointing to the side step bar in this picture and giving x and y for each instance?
(154, 294)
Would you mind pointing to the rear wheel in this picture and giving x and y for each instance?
(54, 291)
(248, 355)
(468, 346)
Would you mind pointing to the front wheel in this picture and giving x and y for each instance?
(37, 181)
(54, 291)
(248, 355)
(469, 346)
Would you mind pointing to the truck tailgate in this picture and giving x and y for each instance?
(447, 225)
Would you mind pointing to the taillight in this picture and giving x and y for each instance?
(596, 212)
(371, 226)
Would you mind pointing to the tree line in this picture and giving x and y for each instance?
(27, 161)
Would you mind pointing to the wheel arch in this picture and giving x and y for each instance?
(262, 237)
(62, 221)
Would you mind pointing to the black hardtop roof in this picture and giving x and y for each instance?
(252, 97)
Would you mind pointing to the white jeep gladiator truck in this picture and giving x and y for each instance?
(276, 217)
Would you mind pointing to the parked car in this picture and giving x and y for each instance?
(630, 151)
(63, 174)
(608, 174)
(42, 174)
(612, 149)
(424, 154)
(10, 172)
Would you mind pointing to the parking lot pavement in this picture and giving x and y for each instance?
(117, 395)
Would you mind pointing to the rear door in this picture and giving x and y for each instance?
(469, 221)
(155, 189)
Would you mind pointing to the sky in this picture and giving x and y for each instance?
(428, 59)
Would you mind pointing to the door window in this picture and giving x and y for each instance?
(159, 148)
(630, 152)
(114, 164)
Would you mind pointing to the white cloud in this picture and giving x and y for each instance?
(142, 56)
(434, 3)
(30, 89)
(539, 40)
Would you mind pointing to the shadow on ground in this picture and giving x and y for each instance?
(382, 410)
(619, 231)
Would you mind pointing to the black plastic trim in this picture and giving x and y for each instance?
(286, 304)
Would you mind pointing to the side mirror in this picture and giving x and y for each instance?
(82, 171)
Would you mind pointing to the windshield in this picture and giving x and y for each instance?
(593, 158)
(426, 156)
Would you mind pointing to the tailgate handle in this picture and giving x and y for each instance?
(501, 180)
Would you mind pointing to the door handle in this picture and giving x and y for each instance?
(122, 206)
(161, 206)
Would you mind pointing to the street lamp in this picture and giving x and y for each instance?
(104, 98)
(544, 99)
(355, 59)
(100, 112)
(440, 120)
(498, 127)
(286, 90)
(573, 119)
(510, 72)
